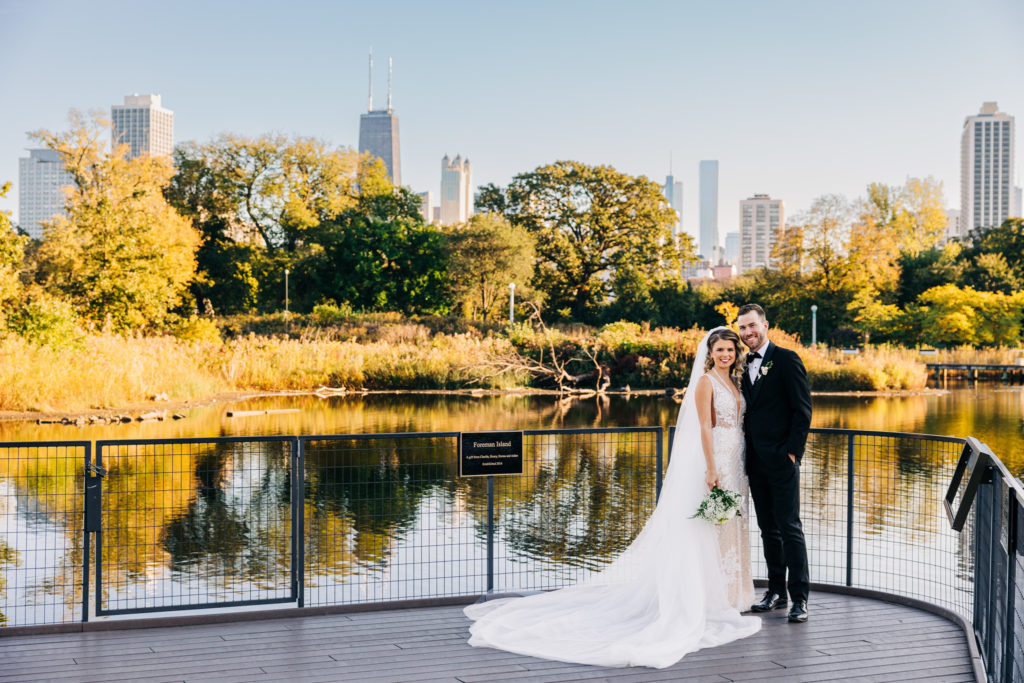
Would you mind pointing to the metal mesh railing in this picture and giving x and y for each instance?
(346, 519)
(871, 507)
(43, 547)
(387, 519)
(583, 497)
(190, 523)
(998, 512)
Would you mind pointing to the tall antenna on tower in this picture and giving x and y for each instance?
(389, 85)
(670, 162)
(371, 79)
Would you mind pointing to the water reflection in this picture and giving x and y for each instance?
(389, 519)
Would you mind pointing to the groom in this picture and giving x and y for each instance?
(776, 423)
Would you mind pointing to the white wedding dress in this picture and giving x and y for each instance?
(677, 588)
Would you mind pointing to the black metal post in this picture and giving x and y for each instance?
(1010, 652)
(490, 534)
(658, 450)
(993, 549)
(299, 521)
(85, 536)
(850, 458)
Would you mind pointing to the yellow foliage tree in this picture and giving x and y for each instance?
(121, 254)
(953, 316)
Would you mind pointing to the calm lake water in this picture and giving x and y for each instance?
(187, 524)
(994, 414)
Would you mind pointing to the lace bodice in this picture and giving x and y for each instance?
(728, 409)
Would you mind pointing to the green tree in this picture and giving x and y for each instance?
(121, 254)
(258, 203)
(484, 256)
(377, 256)
(927, 269)
(590, 222)
(1006, 240)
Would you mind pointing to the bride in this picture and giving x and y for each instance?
(682, 583)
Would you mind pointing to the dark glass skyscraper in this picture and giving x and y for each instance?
(378, 132)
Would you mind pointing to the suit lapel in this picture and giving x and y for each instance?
(755, 388)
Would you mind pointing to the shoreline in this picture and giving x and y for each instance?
(134, 410)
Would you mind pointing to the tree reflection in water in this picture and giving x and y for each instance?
(215, 519)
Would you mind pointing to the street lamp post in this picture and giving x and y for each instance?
(814, 324)
(286, 295)
(511, 302)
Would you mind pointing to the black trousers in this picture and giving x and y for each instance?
(776, 494)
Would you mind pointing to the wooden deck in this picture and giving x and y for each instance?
(847, 639)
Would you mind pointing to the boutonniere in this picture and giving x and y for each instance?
(766, 367)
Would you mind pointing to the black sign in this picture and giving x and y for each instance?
(482, 454)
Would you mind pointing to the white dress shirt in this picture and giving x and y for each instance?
(755, 365)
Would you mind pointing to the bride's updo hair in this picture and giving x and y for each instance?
(727, 335)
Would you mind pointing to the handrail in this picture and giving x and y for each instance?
(977, 457)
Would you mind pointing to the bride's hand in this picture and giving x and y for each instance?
(711, 479)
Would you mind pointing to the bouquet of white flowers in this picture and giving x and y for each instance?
(720, 505)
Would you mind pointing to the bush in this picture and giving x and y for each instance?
(330, 314)
(196, 329)
(45, 320)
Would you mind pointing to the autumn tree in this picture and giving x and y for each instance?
(485, 255)
(12, 255)
(121, 253)
(270, 187)
(592, 225)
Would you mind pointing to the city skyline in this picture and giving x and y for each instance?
(825, 121)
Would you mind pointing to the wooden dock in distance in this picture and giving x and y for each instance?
(847, 639)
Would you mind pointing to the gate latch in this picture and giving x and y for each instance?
(93, 502)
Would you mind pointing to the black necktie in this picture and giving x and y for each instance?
(752, 356)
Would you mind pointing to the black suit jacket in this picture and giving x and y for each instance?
(778, 413)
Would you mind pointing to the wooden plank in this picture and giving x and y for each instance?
(847, 637)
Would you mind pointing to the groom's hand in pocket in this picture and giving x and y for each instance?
(792, 458)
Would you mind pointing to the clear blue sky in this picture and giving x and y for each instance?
(795, 99)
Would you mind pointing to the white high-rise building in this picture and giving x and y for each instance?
(144, 125)
(456, 190)
(709, 210)
(426, 206)
(41, 179)
(762, 220)
(986, 169)
(953, 231)
(673, 191)
(732, 248)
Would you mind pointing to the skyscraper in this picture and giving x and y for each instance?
(426, 206)
(986, 168)
(762, 220)
(456, 190)
(144, 125)
(709, 210)
(732, 249)
(673, 191)
(41, 177)
(378, 132)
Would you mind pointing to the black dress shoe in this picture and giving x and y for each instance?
(769, 602)
(798, 613)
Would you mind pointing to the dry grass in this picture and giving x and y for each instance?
(106, 371)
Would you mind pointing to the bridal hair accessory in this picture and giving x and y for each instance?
(720, 505)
